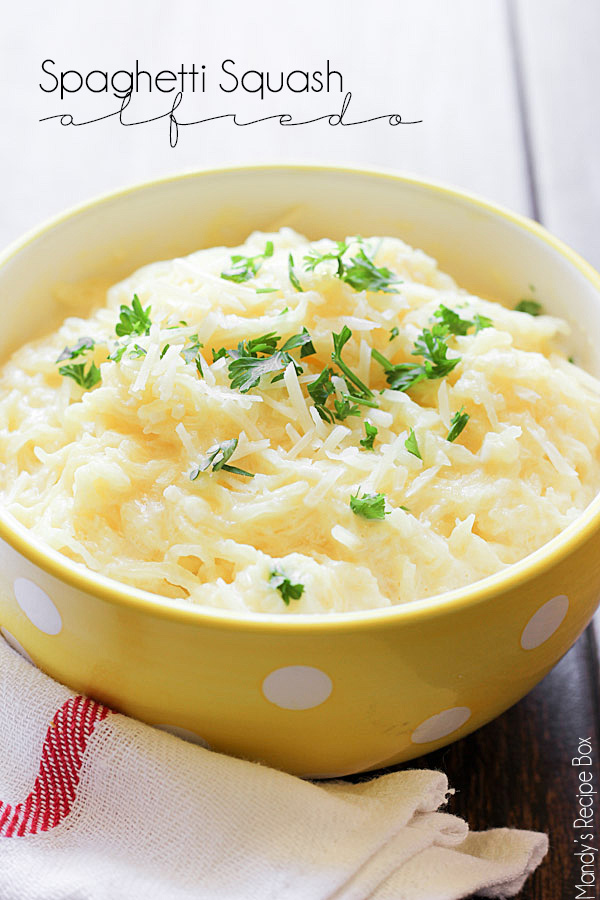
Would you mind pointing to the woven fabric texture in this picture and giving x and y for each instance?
(97, 806)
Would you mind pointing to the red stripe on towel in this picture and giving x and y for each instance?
(55, 787)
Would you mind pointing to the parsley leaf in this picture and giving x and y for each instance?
(411, 444)
(364, 275)
(314, 259)
(300, 340)
(295, 282)
(344, 408)
(456, 325)
(190, 350)
(286, 588)
(400, 376)
(133, 319)
(117, 353)
(245, 372)
(458, 422)
(243, 268)
(530, 306)
(481, 322)
(371, 432)
(265, 343)
(247, 367)
(339, 341)
(81, 346)
(394, 332)
(360, 273)
(85, 379)
(320, 389)
(432, 347)
(217, 457)
(430, 344)
(369, 506)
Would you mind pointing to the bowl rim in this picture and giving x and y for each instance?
(180, 611)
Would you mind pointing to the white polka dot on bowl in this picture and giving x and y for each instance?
(185, 734)
(543, 623)
(37, 606)
(297, 687)
(14, 643)
(441, 725)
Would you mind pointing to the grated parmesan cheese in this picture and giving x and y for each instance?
(103, 475)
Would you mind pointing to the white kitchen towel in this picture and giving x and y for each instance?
(97, 806)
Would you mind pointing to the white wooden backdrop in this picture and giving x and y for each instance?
(507, 91)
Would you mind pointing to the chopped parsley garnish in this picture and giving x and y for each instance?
(247, 367)
(364, 275)
(192, 348)
(217, 456)
(245, 372)
(292, 275)
(243, 268)
(117, 353)
(456, 325)
(87, 379)
(371, 433)
(532, 307)
(339, 341)
(266, 343)
(432, 346)
(481, 322)
(164, 350)
(133, 319)
(345, 408)
(218, 354)
(394, 332)
(136, 351)
(458, 422)
(320, 389)
(360, 273)
(369, 506)
(81, 346)
(266, 290)
(411, 444)
(286, 588)
(314, 259)
(362, 401)
(301, 340)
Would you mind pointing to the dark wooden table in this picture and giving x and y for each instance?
(507, 90)
(517, 770)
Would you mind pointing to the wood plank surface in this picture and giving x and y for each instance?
(448, 64)
(507, 90)
(517, 771)
(558, 43)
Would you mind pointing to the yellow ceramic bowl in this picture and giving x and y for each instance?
(318, 695)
